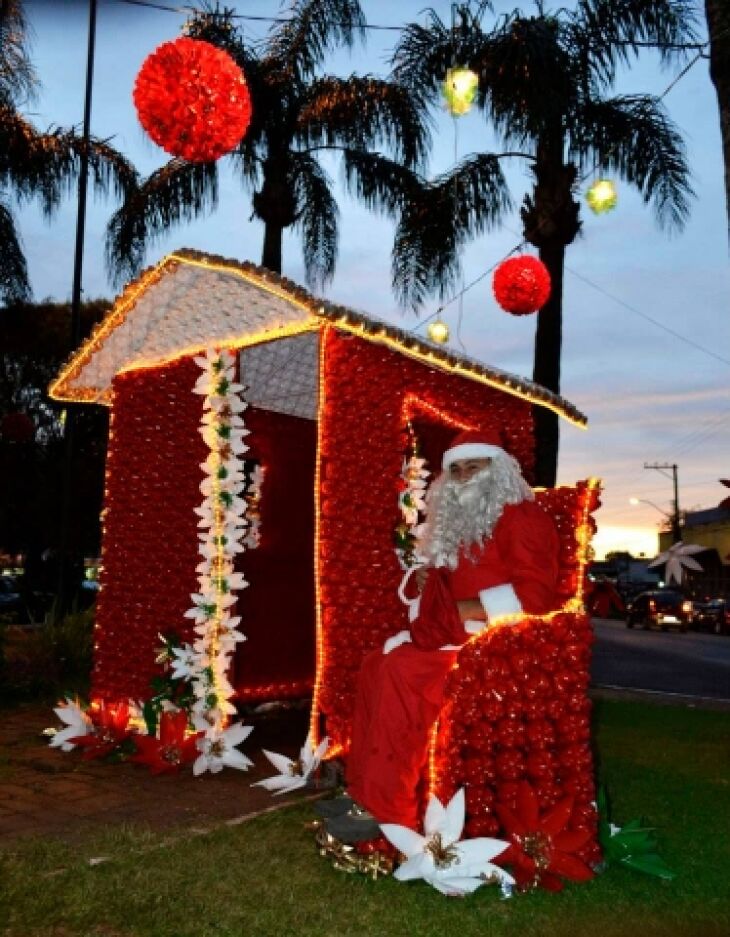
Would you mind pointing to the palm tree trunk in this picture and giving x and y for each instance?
(546, 370)
(271, 256)
(718, 24)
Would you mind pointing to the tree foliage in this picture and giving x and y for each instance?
(34, 164)
(35, 340)
(546, 87)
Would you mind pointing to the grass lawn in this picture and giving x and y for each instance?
(265, 879)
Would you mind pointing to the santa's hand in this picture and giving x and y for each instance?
(403, 637)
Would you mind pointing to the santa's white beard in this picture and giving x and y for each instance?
(462, 515)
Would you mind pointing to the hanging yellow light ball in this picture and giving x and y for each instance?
(459, 90)
(602, 196)
(438, 332)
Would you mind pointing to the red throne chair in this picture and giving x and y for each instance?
(516, 702)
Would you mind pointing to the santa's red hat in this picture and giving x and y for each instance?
(473, 444)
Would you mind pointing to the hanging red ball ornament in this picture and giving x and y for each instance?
(192, 99)
(521, 284)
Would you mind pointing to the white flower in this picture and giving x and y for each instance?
(218, 749)
(186, 663)
(77, 724)
(293, 774)
(452, 866)
(677, 556)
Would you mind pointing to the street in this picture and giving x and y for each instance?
(692, 664)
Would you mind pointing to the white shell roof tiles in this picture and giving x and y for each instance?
(189, 307)
(191, 301)
(283, 376)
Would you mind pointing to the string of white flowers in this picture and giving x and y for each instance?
(223, 529)
(411, 502)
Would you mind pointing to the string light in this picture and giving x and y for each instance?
(314, 732)
(413, 404)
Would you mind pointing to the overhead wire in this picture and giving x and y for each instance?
(187, 10)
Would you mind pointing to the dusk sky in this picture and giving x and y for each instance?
(650, 395)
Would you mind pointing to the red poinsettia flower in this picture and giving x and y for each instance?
(109, 728)
(541, 848)
(172, 749)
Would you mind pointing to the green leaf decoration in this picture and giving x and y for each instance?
(650, 864)
(149, 714)
(633, 845)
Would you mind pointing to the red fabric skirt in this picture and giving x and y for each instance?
(399, 697)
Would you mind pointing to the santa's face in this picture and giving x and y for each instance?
(463, 470)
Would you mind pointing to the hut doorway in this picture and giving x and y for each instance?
(277, 609)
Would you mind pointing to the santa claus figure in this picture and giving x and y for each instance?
(488, 557)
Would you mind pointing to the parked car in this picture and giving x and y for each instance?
(713, 615)
(660, 608)
(12, 606)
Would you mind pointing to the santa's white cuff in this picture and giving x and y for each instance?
(472, 626)
(500, 601)
(394, 641)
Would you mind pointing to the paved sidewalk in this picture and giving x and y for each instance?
(48, 793)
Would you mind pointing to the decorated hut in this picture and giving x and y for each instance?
(337, 406)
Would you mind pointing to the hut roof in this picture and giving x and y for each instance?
(192, 301)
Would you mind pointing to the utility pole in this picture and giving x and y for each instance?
(65, 548)
(676, 526)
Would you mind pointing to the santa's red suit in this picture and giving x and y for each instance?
(400, 691)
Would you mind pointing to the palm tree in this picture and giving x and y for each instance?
(545, 85)
(718, 24)
(297, 115)
(34, 164)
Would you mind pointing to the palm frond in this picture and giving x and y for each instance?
(633, 136)
(108, 168)
(424, 53)
(609, 33)
(47, 165)
(217, 26)
(18, 81)
(314, 27)
(317, 217)
(177, 192)
(526, 77)
(14, 285)
(381, 183)
(364, 112)
(437, 221)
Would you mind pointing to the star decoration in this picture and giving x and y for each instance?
(293, 774)
(441, 858)
(678, 557)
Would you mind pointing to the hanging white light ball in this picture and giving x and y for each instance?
(438, 332)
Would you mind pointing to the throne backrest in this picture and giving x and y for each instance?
(571, 507)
